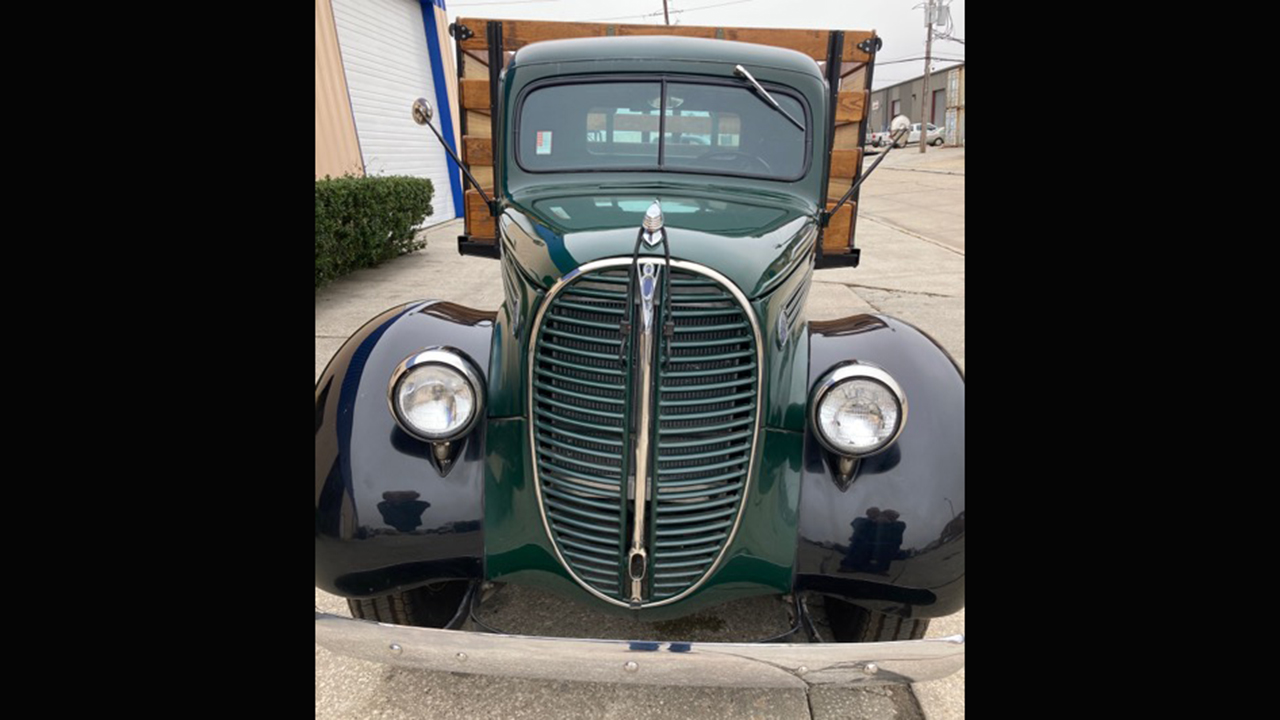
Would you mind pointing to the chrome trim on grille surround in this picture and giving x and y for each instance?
(755, 427)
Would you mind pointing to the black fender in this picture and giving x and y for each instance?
(387, 518)
(893, 538)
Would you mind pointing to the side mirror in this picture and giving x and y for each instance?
(422, 114)
(422, 111)
(900, 125)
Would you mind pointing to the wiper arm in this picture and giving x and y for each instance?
(742, 73)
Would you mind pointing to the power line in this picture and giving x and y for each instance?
(708, 7)
(623, 17)
(896, 59)
(915, 59)
(673, 12)
(508, 2)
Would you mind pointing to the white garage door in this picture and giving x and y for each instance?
(384, 53)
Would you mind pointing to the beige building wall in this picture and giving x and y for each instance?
(337, 150)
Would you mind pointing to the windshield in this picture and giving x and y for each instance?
(704, 128)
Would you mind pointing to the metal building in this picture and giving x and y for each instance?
(944, 107)
(373, 57)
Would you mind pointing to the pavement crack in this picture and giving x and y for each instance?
(922, 170)
(808, 698)
(865, 300)
(918, 236)
(895, 290)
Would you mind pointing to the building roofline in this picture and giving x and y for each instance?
(918, 77)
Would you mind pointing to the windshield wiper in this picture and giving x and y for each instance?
(742, 73)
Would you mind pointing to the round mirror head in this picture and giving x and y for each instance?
(900, 123)
(422, 112)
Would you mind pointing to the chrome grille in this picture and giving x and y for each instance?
(704, 429)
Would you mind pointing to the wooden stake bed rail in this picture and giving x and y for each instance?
(474, 96)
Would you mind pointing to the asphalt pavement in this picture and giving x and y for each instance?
(911, 231)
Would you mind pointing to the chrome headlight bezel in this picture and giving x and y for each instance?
(449, 358)
(847, 373)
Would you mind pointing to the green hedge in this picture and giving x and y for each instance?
(362, 221)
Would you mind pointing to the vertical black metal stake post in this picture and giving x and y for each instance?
(496, 58)
(460, 33)
(870, 46)
(835, 49)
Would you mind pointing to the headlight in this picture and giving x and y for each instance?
(436, 395)
(858, 410)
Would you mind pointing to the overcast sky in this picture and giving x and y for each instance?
(898, 22)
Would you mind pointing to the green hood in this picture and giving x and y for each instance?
(753, 240)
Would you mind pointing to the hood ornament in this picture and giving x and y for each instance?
(651, 233)
(653, 224)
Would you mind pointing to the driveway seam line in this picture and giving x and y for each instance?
(934, 172)
(892, 290)
(899, 228)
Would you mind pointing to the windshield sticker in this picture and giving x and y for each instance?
(559, 212)
(543, 146)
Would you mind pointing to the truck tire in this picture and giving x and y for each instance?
(851, 623)
(431, 606)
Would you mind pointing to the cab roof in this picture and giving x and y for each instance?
(666, 48)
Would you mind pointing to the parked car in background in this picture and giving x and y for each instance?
(935, 134)
(878, 139)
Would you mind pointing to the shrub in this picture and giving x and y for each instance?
(363, 221)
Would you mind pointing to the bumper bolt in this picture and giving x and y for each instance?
(802, 670)
(462, 657)
(871, 668)
(396, 649)
(631, 666)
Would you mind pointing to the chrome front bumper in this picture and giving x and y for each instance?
(643, 662)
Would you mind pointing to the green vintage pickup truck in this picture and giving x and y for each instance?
(649, 425)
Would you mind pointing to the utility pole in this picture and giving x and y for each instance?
(924, 100)
(665, 17)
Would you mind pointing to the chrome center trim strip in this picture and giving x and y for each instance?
(648, 273)
(755, 428)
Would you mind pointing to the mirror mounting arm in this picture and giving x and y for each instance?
(825, 215)
(422, 113)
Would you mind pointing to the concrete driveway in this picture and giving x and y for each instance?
(911, 231)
